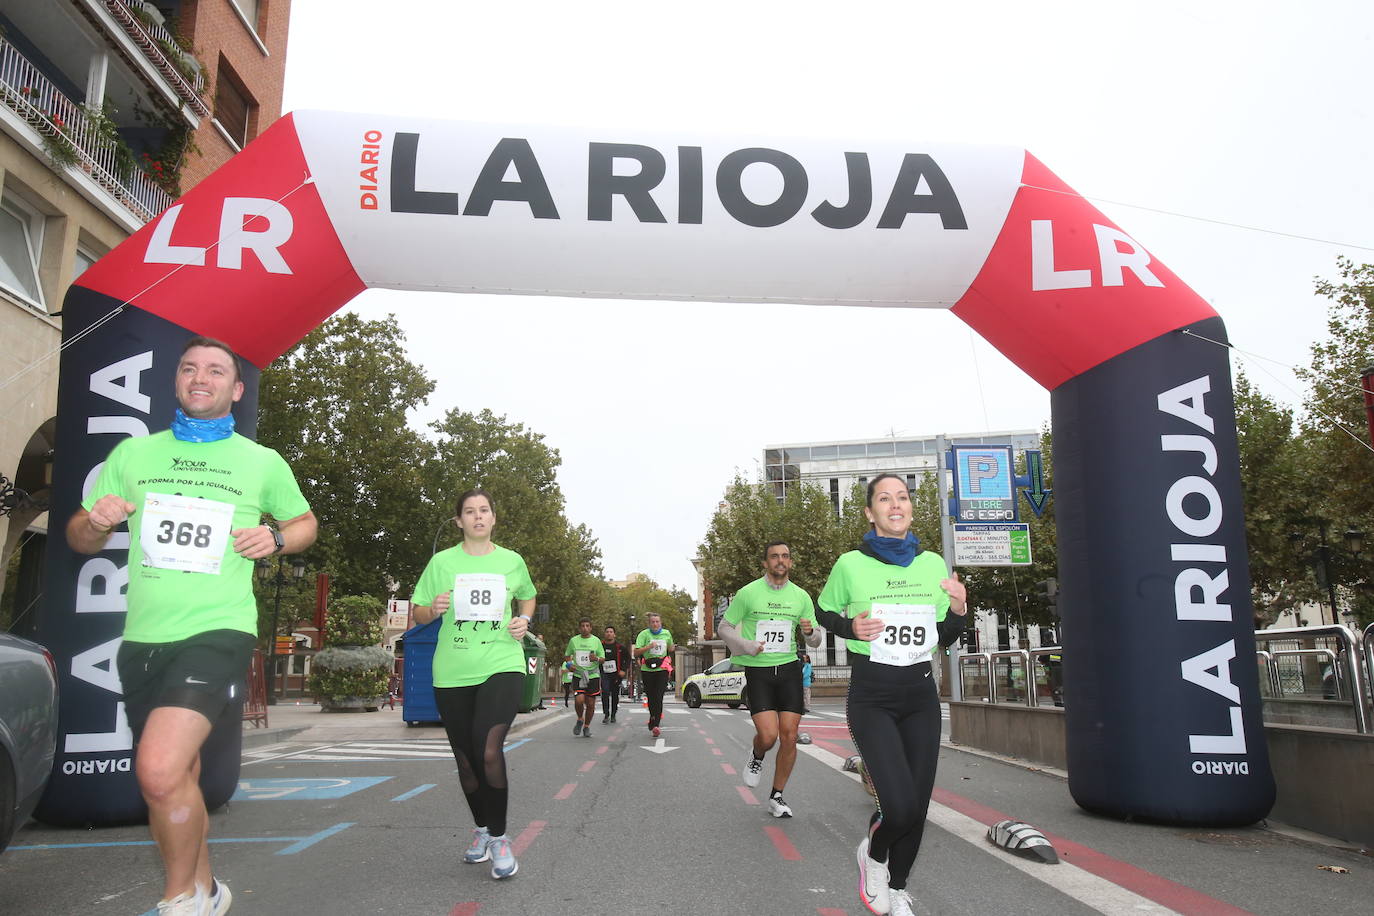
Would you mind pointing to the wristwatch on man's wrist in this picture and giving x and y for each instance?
(276, 536)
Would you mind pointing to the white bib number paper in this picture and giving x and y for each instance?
(908, 635)
(479, 596)
(775, 634)
(182, 532)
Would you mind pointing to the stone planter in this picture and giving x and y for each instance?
(351, 704)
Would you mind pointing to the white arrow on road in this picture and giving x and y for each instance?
(660, 746)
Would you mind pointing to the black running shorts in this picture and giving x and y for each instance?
(776, 688)
(205, 672)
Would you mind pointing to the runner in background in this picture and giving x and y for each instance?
(479, 665)
(760, 627)
(653, 646)
(583, 658)
(614, 668)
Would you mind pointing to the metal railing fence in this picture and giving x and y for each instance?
(65, 124)
(1350, 665)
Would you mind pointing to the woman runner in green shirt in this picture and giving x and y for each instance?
(894, 603)
(479, 666)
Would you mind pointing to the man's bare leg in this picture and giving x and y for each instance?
(167, 763)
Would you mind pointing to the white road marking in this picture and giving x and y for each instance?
(1096, 893)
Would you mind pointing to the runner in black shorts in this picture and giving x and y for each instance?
(584, 658)
(760, 628)
(192, 619)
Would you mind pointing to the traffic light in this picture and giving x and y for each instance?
(969, 639)
(1049, 590)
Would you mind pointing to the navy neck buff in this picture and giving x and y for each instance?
(190, 429)
(893, 551)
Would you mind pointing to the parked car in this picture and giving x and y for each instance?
(722, 682)
(28, 729)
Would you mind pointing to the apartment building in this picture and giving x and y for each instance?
(109, 111)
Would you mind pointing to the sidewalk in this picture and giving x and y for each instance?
(305, 721)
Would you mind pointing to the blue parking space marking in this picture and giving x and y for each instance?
(297, 842)
(414, 792)
(307, 842)
(305, 789)
(514, 744)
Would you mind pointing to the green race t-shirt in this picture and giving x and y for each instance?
(908, 598)
(473, 642)
(589, 645)
(658, 646)
(771, 614)
(184, 577)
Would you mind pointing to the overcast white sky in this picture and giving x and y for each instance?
(1252, 113)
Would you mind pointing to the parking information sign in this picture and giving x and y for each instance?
(984, 486)
(992, 545)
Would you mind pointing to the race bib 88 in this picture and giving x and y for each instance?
(479, 596)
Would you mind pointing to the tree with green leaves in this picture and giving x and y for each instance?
(1276, 492)
(335, 407)
(520, 471)
(1334, 433)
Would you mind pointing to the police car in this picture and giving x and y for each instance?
(723, 682)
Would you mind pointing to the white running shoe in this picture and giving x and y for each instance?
(503, 863)
(480, 850)
(586, 731)
(219, 899)
(901, 903)
(183, 904)
(753, 770)
(873, 889)
(777, 807)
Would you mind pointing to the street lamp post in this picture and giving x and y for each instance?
(264, 571)
(1322, 555)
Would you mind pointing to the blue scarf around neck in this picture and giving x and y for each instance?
(191, 429)
(895, 551)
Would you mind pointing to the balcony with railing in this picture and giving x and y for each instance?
(72, 138)
(164, 52)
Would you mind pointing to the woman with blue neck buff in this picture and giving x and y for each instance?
(894, 604)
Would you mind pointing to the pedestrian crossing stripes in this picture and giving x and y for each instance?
(352, 751)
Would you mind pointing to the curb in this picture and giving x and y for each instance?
(260, 736)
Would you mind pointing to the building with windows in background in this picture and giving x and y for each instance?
(836, 467)
(109, 111)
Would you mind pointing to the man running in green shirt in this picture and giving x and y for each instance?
(760, 628)
(583, 658)
(194, 497)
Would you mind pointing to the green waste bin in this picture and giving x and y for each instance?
(533, 693)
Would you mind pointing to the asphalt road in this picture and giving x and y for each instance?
(372, 821)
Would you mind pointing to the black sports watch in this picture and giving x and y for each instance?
(276, 536)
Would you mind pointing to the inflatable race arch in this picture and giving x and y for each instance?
(1163, 713)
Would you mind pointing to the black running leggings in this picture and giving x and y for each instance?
(477, 719)
(655, 681)
(895, 725)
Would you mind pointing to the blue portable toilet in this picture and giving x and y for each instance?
(417, 704)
